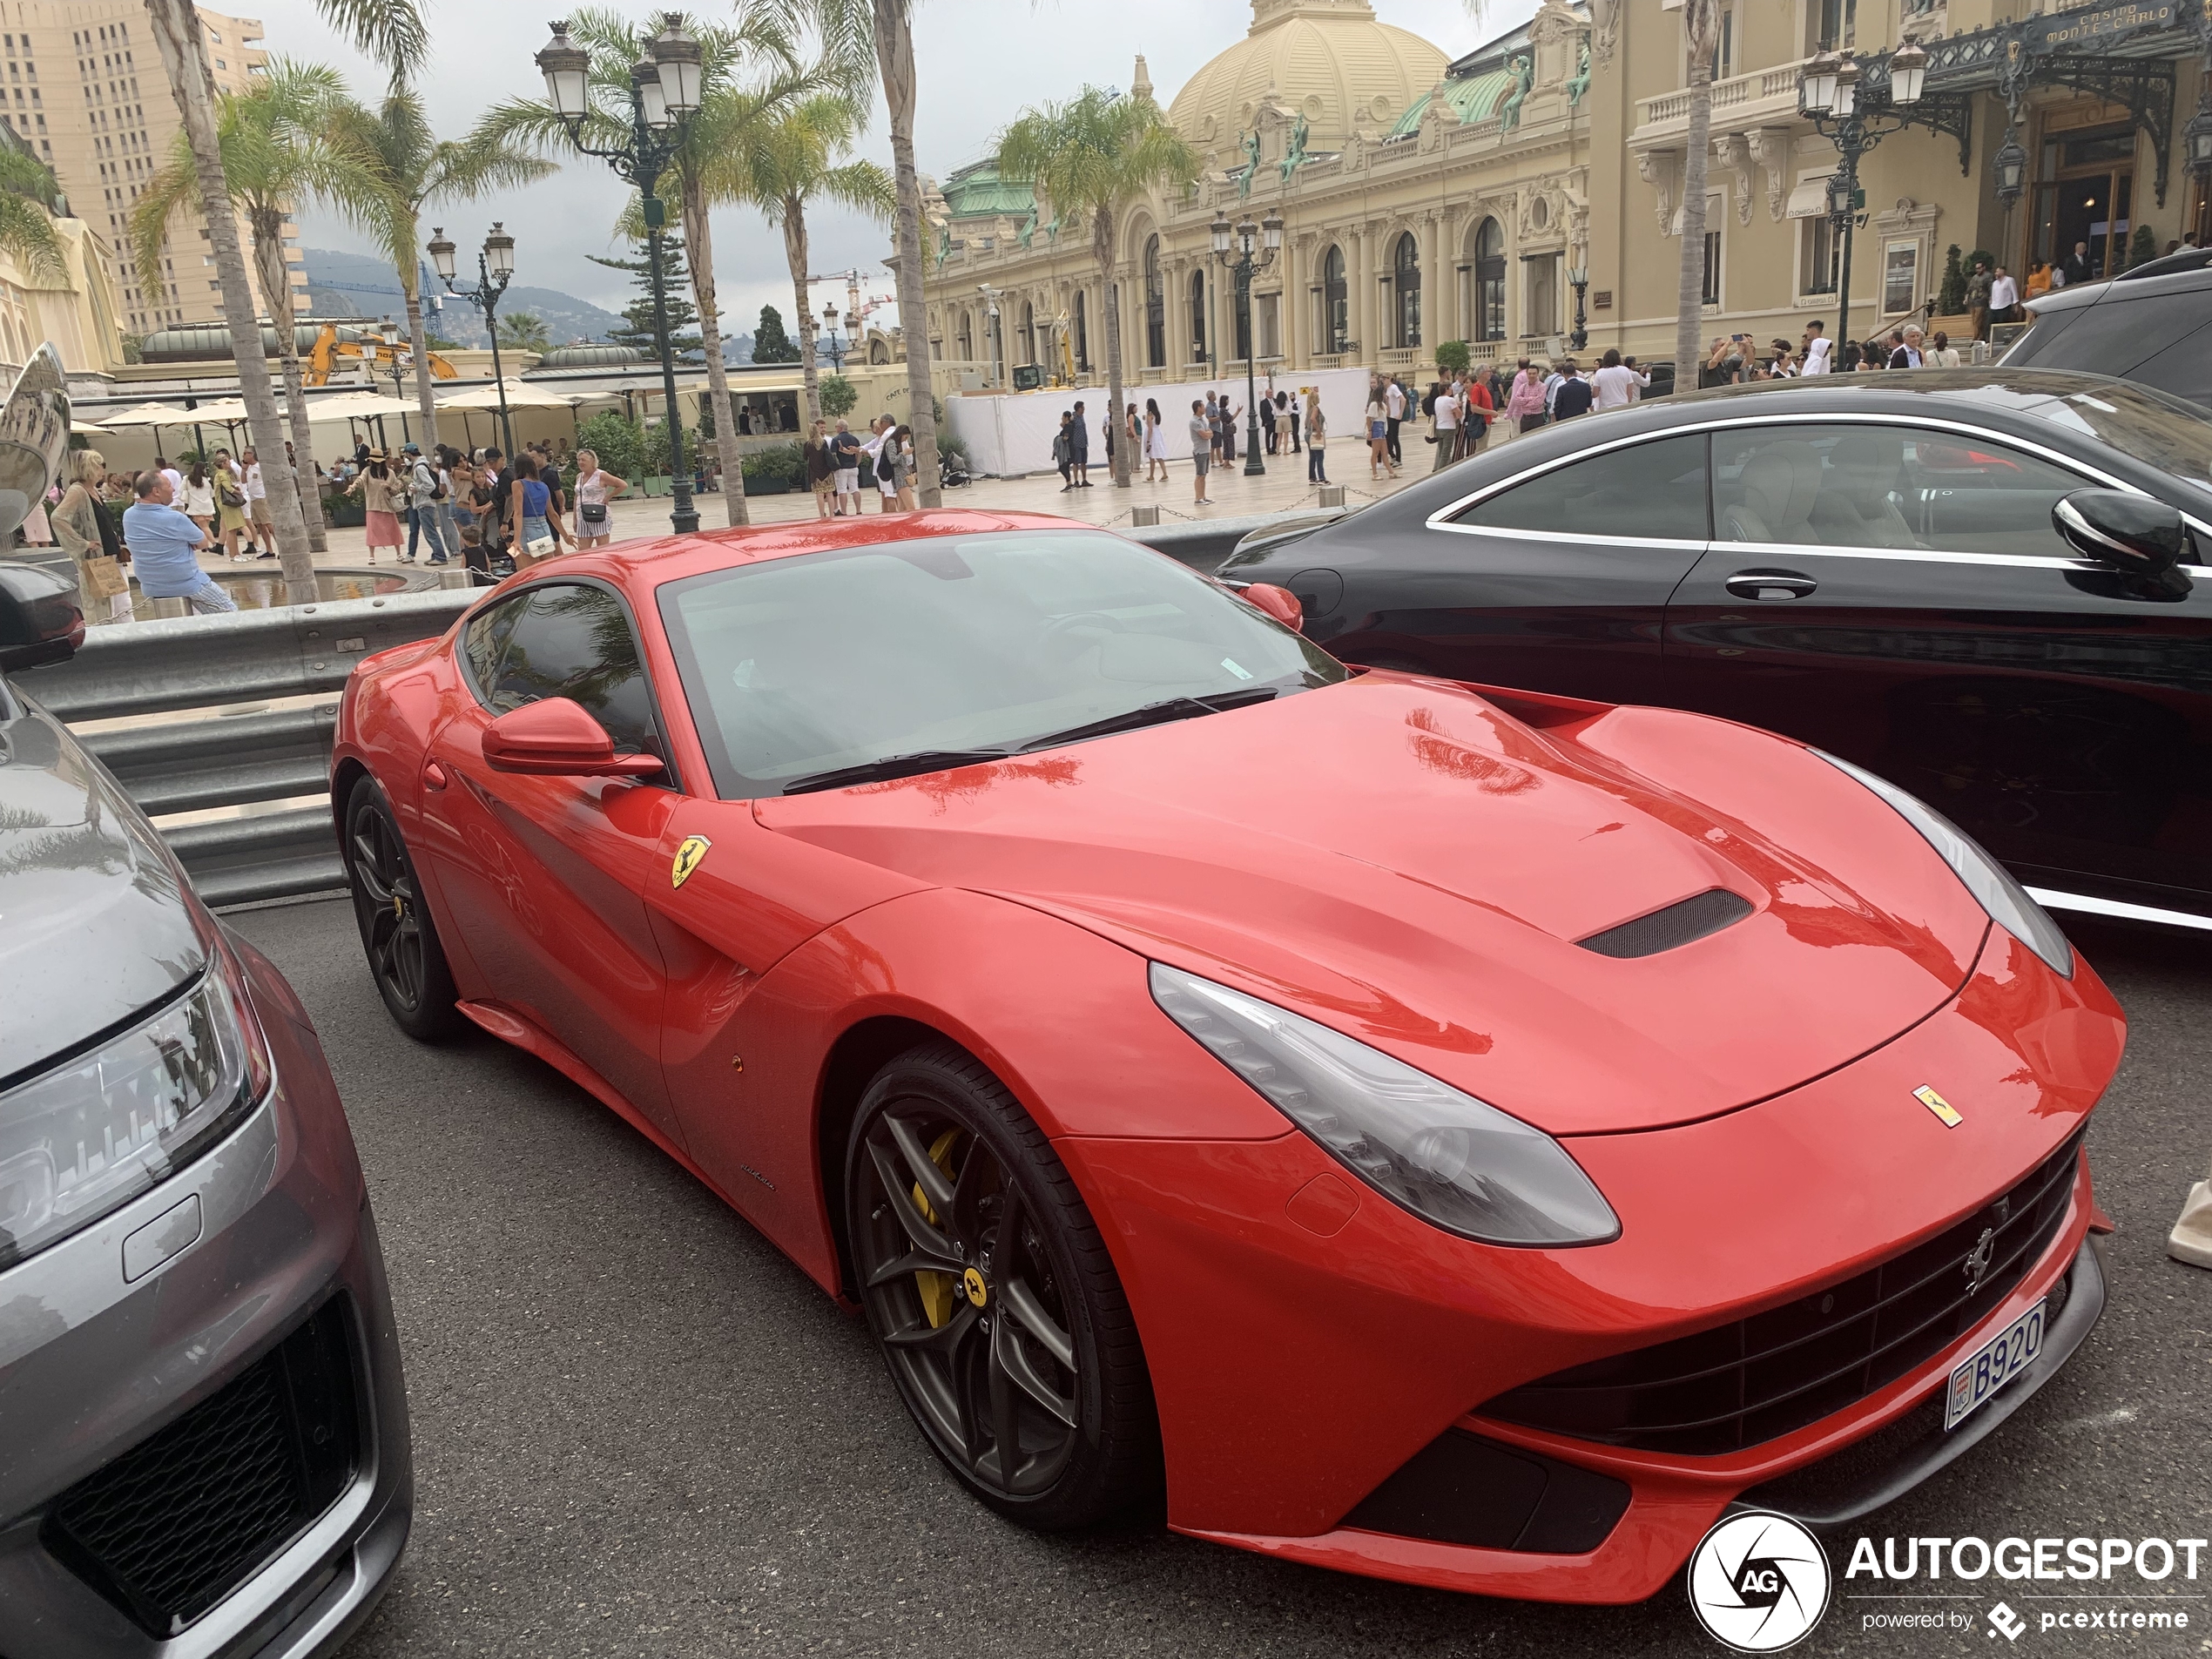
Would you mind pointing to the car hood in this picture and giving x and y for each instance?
(1402, 859)
(94, 922)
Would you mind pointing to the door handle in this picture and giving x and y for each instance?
(1769, 584)
(434, 776)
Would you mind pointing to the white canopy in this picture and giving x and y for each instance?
(359, 406)
(228, 411)
(521, 394)
(150, 414)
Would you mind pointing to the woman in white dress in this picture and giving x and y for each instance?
(199, 497)
(1156, 443)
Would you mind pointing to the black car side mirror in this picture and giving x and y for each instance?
(2139, 537)
(40, 620)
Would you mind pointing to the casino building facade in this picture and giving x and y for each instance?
(1495, 197)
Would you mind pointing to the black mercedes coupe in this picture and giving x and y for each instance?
(1991, 586)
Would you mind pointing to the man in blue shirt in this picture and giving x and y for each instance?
(165, 545)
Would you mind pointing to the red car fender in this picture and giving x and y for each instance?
(1063, 1017)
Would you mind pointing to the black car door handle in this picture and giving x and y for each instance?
(1771, 584)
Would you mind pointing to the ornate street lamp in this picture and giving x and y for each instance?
(2197, 136)
(1578, 278)
(666, 87)
(1245, 250)
(829, 330)
(494, 264)
(2011, 163)
(1856, 112)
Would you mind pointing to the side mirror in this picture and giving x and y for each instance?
(39, 618)
(558, 738)
(1279, 603)
(2134, 534)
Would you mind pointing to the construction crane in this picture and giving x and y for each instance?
(373, 354)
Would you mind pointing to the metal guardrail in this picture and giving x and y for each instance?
(240, 752)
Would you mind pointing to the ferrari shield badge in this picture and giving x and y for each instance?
(687, 858)
(1947, 1114)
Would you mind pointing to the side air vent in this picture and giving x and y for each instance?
(1693, 918)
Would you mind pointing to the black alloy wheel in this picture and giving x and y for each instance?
(400, 940)
(993, 1298)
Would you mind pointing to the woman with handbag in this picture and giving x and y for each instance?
(230, 503)
(536, 533)
(199, 497)
(381, 524)
(87, 533)
(594, 488)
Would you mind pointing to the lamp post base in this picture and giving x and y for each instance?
(682, 517)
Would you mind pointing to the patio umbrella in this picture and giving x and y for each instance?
(154, 415)
(521, 394)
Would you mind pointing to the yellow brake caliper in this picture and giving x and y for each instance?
(936, 1288)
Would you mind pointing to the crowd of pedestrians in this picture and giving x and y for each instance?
(833, 463)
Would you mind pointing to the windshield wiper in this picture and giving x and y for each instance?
(1159, 713)
(905, 765)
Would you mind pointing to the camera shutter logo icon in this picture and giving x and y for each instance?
(1759, 1583)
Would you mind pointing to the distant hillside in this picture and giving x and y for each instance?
(356, 285)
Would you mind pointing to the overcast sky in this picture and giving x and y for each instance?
(977, 63)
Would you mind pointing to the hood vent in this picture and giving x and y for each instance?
(1676, 925)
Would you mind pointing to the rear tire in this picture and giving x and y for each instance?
(398, 935)
(996, 1336)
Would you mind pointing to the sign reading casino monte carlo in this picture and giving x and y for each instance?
(2099, 25)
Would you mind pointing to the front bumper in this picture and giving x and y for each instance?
(1304, 1352)
(94, 1365)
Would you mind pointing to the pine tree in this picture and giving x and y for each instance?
(637, 331)
(769, 343)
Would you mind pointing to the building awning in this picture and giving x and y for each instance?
(1809, 200)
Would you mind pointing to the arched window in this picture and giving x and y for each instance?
(1489, 281)
(967, 337)
(1155, 308)
(1197, 316)
(1405, 286)
(1028, 332)
(1336, 303)
(1083, 335)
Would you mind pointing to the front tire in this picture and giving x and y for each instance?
(991, 1292)
(397, 934)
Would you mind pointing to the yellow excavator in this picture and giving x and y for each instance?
(328, 349)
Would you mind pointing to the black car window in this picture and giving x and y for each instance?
(1652, 491)
(1879, 485)
(2117, 334)
(2185, 366)
(485, 637)
(575, 642)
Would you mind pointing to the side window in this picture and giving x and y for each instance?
(1884, 486)
(1652, 491)
(485, 637)
(575, 642)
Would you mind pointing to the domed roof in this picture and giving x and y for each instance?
(589, 356)
(1328, 60)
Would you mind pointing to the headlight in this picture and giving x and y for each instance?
(96, 1131)
(1445, 1156)
(2005, 900)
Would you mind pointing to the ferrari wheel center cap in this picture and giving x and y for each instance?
(972, 1283)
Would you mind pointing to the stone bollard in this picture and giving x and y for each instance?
(1329, 495)
(168, 607)
(2191, 1239)
(456, 577)
(1139, 517)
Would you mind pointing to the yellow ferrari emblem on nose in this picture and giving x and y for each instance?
(1947, 1114)
(972, 1282)
(687, 858)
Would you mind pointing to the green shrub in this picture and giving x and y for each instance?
(2142, 247)
(655, 459)
(1453, 354)
(778, 463)
(838, 395)
(619, 442)
(1951, 294)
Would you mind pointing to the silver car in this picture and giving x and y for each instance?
(203, 1425)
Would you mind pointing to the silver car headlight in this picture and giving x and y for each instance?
(1446, 1155)
(96, 1130)
(2005, 900)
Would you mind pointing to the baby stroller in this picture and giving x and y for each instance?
(951, 474)
(488, 566)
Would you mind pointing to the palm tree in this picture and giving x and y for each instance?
(766, 38)
(523, 331)
(890, 36)
(27, 196)
(412, 168)
(787, 161)
(1091, 157)
(274, 155)
(1701, 33)
(391, 33)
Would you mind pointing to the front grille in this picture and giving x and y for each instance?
(172, 1526)
(1742, 1383)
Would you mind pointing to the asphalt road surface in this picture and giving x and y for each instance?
(639, 1431)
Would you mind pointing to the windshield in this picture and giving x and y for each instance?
(912, 656)
(2156, 428)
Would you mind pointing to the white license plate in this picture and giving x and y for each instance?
(1981, 1373)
